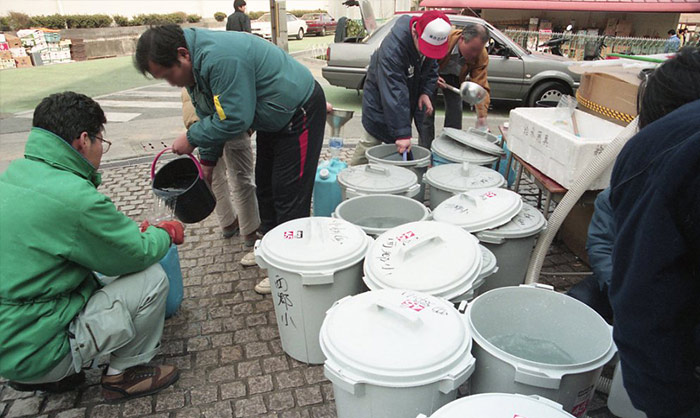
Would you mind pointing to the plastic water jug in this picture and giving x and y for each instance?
(327, 193)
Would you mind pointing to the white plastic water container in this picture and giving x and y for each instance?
(501, 405)
(312, 263)
(367, 179)
(447, 180)
(435, 258)
(387, 154)
(537, 136)
(377, 213)
(480, 209)
(395, 354)
(451, 151)
(619, 402)
(535, 341)
(512, 244)
(488, 267)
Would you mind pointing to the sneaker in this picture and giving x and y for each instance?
(138, 381)
(64, 385)
(248, 260)
(263, 287)
(230, 230)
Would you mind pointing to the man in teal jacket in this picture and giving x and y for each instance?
(238, 81)
(56, 229)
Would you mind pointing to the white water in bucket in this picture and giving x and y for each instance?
(533, 349)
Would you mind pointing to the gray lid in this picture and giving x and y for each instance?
(476, 139)
(377, 178)
(451, 150)
(528, 222)
(457, 178)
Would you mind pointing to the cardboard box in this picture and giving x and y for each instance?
(18, 52)
(13, 41)
(623, 28)
(5, 55)
(608, 97)
(23, 62)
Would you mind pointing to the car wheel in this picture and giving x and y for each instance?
(323, 31)
(300, 34)
(548, 91)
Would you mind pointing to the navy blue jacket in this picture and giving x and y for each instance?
(396, 77)
(655, 289)
(601, 237)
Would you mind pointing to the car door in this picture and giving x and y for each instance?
(330, 23)
(293, 25)
(506, 70)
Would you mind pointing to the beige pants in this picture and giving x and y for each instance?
(234, 173)
(367, 142)
(123, 319)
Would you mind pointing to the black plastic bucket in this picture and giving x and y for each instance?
(180, 183)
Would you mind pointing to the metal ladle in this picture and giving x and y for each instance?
(471, 92)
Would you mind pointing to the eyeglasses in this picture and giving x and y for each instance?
(105, 144)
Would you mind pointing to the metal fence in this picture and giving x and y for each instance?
(579, 44)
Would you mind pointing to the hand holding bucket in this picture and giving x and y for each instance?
(180, 183)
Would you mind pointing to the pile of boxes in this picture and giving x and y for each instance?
(618, 27)
(32, 47)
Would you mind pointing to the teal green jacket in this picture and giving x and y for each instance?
(55, 230)
(241, 81)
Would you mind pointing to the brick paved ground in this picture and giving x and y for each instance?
(224, 338)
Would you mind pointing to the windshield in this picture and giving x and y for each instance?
(264, 18)
(310, 16)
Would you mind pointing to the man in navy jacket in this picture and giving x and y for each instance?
(401, 77)
(655, 288)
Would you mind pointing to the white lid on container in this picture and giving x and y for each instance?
(489, 264)
(430, 257)
(312, 246)
(501, 405)
(451, 150)
(456, 178)
(377, 178)
(475, 139)
(397, 338)
(477, 210)
(528, 222)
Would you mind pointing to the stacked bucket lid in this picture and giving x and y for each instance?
(446, 180)
(479, 210)
(378, 179)
(472, 146)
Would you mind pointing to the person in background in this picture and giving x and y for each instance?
(57, 230)
(655, 285)
(402, 75)
(235, 168)
(239, 82)
(238, 21)
(467, 56)
(672, 43)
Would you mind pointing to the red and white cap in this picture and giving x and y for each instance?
(432, 27)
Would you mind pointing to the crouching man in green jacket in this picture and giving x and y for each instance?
(55, 230)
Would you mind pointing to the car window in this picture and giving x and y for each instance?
(309, 16)
(264, 18)
(291, 18)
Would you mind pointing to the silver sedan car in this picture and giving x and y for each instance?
(515, 74)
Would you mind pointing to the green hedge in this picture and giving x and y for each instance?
(88, 21)
(219, 16)
(193, 18)
(300, 13)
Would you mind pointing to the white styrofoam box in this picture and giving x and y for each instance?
(539, 137)
(2, 38)
(18, 52)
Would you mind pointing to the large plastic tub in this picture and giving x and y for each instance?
(366, 179)
(378, 213)
(512, 244)
(539, 137)
(447, 150)
(446, 180)
(387, 154)
(535, 341)
(312, 263)
(395, 354)
(501, 405)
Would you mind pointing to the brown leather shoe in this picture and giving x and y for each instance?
(138, 381)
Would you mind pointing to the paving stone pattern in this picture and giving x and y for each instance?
(224, 338)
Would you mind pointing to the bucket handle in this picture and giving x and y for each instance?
(413, 245)
(407, 314)
(155, 160)
(536, 377)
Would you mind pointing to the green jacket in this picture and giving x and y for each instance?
(241, 81)
(55, 230)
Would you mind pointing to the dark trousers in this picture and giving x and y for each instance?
(453, 113)
(589, 292)
(286, 163)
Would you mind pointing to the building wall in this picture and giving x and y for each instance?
(205, 8)
(643, 24)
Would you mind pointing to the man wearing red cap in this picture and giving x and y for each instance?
(401, 77)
